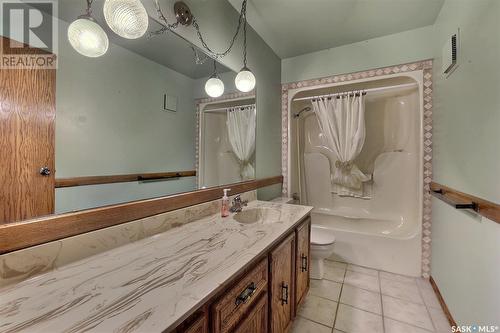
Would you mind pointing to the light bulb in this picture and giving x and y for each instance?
(127, 18)
(245, 80)
(214, 87)
(87, 37)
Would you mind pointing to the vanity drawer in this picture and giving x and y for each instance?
(240, 298)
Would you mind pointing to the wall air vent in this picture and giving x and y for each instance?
(450, 54)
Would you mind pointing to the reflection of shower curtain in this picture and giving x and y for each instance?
(342, 122)
(241, 130)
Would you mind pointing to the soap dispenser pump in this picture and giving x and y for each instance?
(225, 203)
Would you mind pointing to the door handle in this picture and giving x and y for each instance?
(45, 171)
(303, 267)
(246, 294)
(284, 293)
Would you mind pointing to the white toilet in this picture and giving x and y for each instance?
(322, 241)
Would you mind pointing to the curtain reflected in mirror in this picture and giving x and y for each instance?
(227, 139)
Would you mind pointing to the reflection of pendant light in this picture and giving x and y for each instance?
(245, 80)
(86, 35)
(214, 86)
(127, 18)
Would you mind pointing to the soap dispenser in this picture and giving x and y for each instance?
(225, 203)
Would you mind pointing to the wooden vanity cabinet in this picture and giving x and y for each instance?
(197, 323)
(256, 321)
(239, 300)
(282, 267)
(302, 261)
(265, 296)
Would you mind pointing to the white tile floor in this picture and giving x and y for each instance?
(354, 299)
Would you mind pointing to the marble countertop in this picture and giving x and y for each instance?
(147, 286)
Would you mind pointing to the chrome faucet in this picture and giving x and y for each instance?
(238, 204)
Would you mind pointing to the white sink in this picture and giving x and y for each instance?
(257, 215)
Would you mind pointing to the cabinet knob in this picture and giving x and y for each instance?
(45, 171)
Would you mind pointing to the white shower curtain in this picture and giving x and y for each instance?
(241, 132)
(342, 122)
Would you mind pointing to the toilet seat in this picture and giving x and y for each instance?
(321, 235)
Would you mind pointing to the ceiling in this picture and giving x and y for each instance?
(295, 27)
(167, 49)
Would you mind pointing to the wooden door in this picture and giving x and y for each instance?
(256, 320)
(302, 262)
(27, 119)
(282, 262)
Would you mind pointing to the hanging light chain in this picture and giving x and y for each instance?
(245, 40)
(89, 7)
(197, 58)
(242, 20)
(168, 26)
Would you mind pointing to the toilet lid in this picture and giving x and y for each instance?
(322, 236)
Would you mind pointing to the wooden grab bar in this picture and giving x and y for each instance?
(96, 180)
(461, 200)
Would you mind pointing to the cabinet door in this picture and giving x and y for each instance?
(302, 261)
(282, 279)
(256, 320)
(200, 325)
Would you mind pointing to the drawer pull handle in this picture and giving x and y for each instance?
(246, 294)
(284, 293)
(304, 263)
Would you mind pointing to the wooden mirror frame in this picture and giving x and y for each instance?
(23, 234)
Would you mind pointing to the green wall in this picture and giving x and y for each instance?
(218, 19)
(404, 47)
(466, 139)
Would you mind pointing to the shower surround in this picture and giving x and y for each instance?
(421, 70)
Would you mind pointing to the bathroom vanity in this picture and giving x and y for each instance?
(248, 272)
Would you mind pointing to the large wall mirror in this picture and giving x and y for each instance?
(142, 110)
(138, 123)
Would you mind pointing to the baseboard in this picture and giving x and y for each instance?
(442, 302)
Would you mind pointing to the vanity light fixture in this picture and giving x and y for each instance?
(127, 18)
(86, 36)
(214, 87)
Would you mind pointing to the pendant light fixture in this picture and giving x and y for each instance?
(86, 36)
(245, 80)
(214, 87)
(127, 18)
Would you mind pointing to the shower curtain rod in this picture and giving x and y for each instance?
(229, 107)
(364, 91)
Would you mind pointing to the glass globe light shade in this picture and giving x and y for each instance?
(214, 87)
(127, 18)
(245, 80)
(87, 37)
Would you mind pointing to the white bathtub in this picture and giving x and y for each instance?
(386, 243)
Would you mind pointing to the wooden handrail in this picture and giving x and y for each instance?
(96, 180)
(461, 200)
(22, 234)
